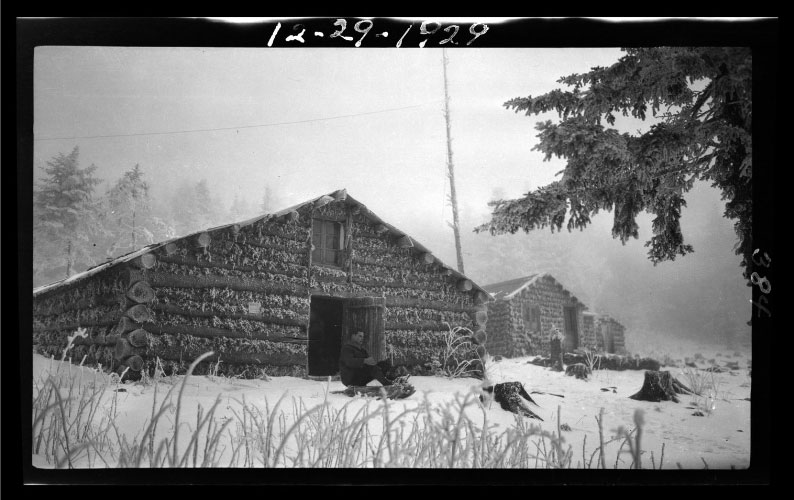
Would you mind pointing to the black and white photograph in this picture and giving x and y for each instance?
(378, 243)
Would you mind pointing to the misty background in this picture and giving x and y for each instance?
(250, 131)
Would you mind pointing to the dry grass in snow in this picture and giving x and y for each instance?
(88, 419)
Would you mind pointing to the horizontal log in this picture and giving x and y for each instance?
(125, 325)
(202, 240)
(206, 264)
(145, 261)
(292, 216)
(99, 339)
(122, 350)
(157, 279)
(210, 332)
(174, 309)
(135, 363)
(405, 242)
(364, 282)
(137, 338)
(432, 326)
(427, 258)
(75, 326)
(395, 301)
(141, 292)
(170, 248)
(40, 308)
(282, 232)
(236, 358)
(138, 313)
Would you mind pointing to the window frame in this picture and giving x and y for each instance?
(530, 314)
(321, 245)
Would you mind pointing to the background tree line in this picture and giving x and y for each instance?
(78, 225)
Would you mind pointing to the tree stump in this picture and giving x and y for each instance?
(578, 370)
(660, 386)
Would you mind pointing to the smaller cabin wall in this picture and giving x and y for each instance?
(511, 334)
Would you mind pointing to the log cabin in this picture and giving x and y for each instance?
(274, 295)
(526, 311)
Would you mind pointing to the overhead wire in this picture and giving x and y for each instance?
(388, 110)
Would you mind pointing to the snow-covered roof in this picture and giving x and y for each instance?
(339, 195)
(509, 289)
(506, 290)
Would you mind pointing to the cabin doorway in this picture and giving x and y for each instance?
(571, 329)
(325, 335)
(610, 340)
(333, 320)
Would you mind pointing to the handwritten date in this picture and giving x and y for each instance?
(426, 31)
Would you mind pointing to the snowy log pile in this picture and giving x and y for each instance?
(244, 292)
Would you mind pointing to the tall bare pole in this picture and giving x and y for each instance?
(453, 198)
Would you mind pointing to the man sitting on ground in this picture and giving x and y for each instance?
(357, 367)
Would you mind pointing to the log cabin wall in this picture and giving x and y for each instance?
(507, 334)
(589, 339)
(510, 334)
(611, 334)
(244, 293)
(96, 304)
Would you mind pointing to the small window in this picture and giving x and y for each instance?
(327, 242)
(531, 315)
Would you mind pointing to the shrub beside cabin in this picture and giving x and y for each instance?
(278, 294)
(525, 312)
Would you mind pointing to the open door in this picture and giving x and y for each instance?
(571, 329)
(366, 314)
(325, 335)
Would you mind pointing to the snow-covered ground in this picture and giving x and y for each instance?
(720, 438)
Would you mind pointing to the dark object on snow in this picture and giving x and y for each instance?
(605, 362)
(565, 427)
(508, 395)
(549, 393)
(579, 370)
(660, 386)
(394, 391)
(698, 414)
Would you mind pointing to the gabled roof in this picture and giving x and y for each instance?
(339, 195)
(506, 290)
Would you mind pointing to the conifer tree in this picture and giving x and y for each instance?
(701, 98)
(130, 221)
(65, 219)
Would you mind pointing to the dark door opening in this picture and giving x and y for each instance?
(571, 329)
(610, 340)
(325, 335)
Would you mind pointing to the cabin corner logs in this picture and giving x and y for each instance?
(526, 312)
(249, 292)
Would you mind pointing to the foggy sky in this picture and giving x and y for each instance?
(391, 157)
